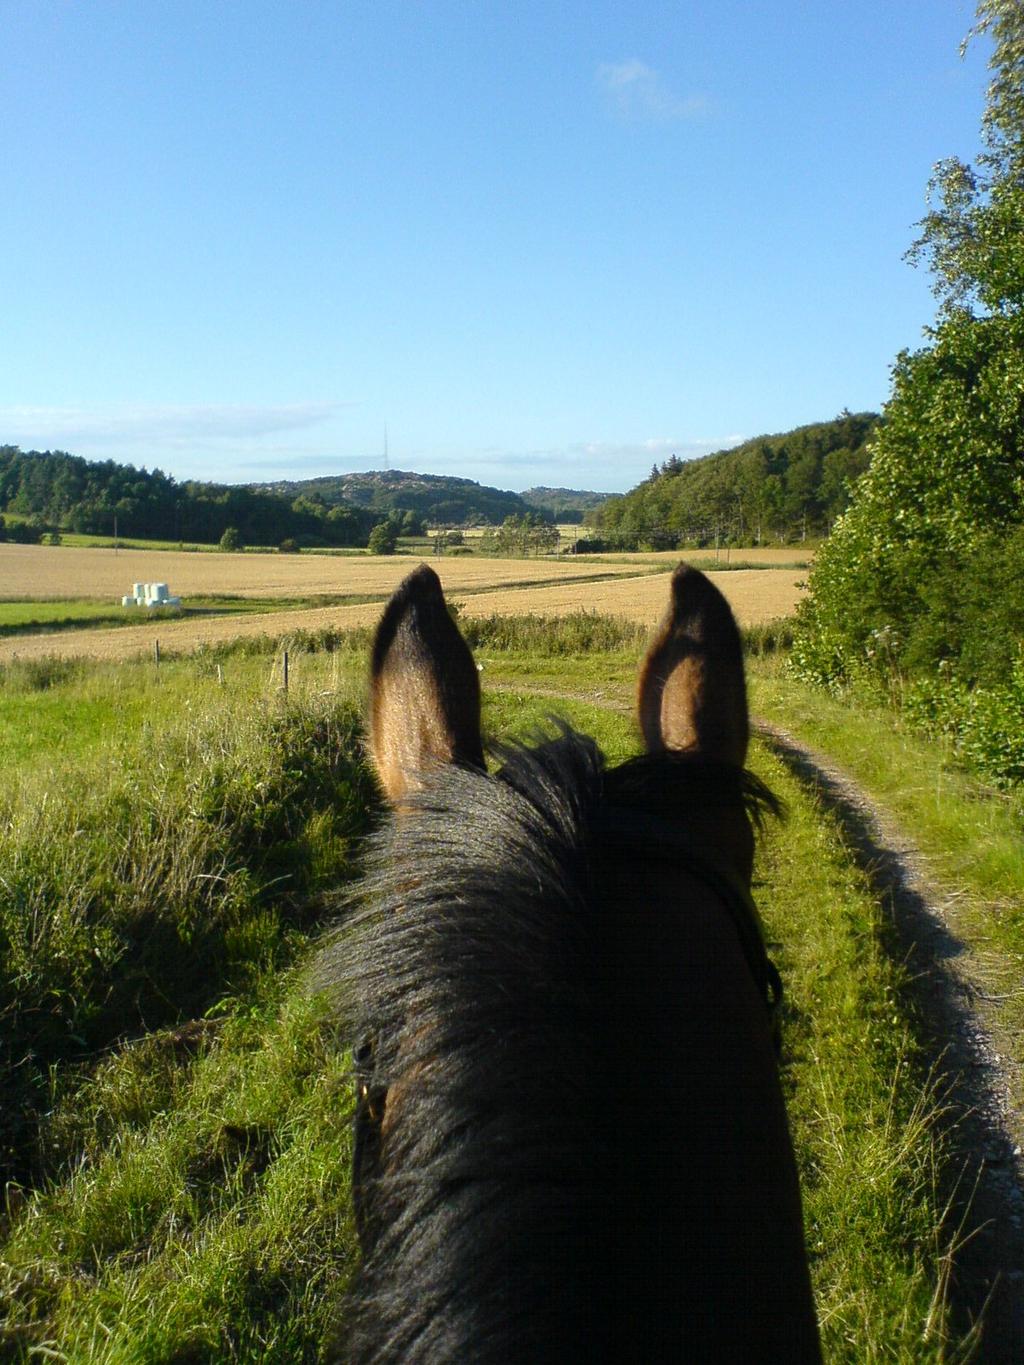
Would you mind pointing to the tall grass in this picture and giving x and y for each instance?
(574, 635)
(172, 864)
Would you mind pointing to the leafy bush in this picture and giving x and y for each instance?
(985, 725)
(25, 532)
(972, 612)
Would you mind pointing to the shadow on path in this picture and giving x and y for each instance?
(987, 1284)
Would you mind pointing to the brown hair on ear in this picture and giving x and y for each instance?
(424, 688)
(692, 693)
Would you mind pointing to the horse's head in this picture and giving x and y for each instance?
(571, 1141)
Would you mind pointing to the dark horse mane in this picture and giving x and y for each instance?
(476, 961)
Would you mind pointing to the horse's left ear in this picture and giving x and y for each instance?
(692, 694)
(425, 690)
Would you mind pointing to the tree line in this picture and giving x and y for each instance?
(772, 488)
(58, 492)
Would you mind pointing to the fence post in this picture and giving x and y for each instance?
(156, 651)
(284, 672)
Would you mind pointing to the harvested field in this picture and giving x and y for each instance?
(756, 595)
(770, 557)
(39, 571)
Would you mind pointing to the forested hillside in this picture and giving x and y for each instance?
(772, 488)
(62, 492)
(437, 499)
(569, 505)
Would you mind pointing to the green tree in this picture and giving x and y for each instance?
(840, 471)
(231, 540)
(947, 466)
(383, 539)
(519, 535)
(973, 236)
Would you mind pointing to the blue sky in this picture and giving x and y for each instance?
(539, 242)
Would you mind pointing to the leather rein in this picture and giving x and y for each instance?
(650, 837)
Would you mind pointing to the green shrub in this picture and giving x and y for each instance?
(944, 482)
(985, 725)
(770, 637)
(972, 612)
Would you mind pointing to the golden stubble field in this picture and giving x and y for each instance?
(515, 587)
(34, 572)
(767, 557)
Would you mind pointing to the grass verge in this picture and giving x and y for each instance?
(969, 833)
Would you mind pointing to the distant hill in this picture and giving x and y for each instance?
(568, 505)
(438, 499)
(783, 487)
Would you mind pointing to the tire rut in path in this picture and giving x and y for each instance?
(987, 1282)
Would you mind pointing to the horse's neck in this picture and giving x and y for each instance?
(681, 995)
(713, 1234)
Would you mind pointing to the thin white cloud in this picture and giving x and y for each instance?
(635, 91)
(164, 425)
(605, 466)
(285, 463)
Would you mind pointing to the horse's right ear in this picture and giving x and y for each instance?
(425, 690)
(692, 694)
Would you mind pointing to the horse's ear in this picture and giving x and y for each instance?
(692, 694)
(425, 691)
